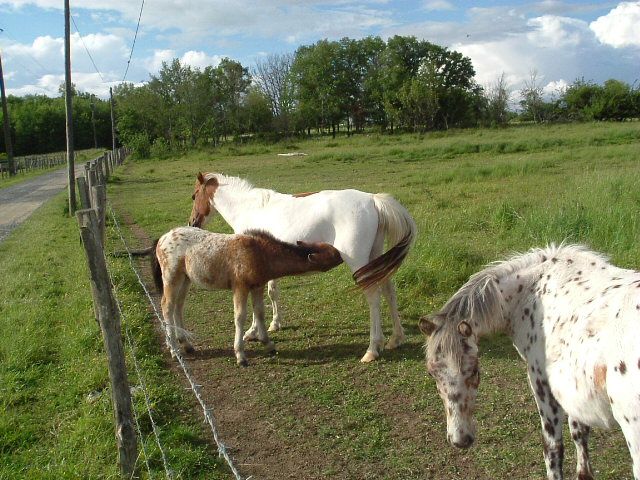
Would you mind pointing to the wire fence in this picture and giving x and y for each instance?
(223, 450)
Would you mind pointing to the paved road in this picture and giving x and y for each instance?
(19, 201)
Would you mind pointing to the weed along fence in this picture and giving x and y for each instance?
(109, 314)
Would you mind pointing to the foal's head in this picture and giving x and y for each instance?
(203, 192)
(452, 360)
(322, 256)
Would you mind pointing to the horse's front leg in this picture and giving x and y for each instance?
(257, 299)
(253, 334)
(376, 337)
(274, 295)
(580, 436)
(240, 314)
(552, 418)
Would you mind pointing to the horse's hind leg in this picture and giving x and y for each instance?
(181, 334)
(257, 299)
(580, 436)
(169, 304)
(389, 292)
(376, 337)
(253, 334)
(397, 337)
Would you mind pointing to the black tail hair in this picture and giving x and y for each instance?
(156, 270)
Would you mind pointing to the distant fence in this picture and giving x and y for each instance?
(108, 312)
(34, 162)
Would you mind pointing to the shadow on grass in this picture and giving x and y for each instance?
(314, 355)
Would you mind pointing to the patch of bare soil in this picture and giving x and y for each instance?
(256, 446)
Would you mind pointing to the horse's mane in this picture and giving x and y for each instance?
(479, 301)
(242, 185)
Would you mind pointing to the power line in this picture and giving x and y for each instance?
(134, 42)
(35, 60)
(86, 49)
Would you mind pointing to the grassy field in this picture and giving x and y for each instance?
(56, 418)
(81, 157)
(313, 411)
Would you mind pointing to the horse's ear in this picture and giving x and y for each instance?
(427, 326)
(200, 178)
(464, 329)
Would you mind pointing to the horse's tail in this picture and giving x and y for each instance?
(400, 230)
(156, 270)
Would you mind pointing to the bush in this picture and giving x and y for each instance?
(160, 148)
(140, 144)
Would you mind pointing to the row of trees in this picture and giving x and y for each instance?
(403, 83)
(329, 85)
(38, 123)
(580, 101)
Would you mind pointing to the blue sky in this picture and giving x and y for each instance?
(559, 40)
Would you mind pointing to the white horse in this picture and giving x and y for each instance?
(354, 222)
(574, 318)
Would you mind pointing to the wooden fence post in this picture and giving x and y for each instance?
(98, 203)
(83, 188)
(109, 319)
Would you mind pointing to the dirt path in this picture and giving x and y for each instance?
(19, 201)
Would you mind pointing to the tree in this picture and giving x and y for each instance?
(497, 98)
(272, 76)
(532, 102)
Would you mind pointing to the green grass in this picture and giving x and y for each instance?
(57, 419)
(81, 157)
(313, 411)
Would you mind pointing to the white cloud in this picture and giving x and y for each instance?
(556, 32)
(199, 59)
(433, 5)
(620, 27)
(154, 63)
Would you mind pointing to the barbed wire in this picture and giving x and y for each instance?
(145, 391)
(176, 353)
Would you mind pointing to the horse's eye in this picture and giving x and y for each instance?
(193, 197)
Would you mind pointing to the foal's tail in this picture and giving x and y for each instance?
(400, 230)
(155, 269)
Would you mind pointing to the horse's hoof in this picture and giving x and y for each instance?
(243, 362)
(369, 357)
(189, 350)
(272, 353)
(250, 336)
(270, 348)
(274, 327)
(394, 342)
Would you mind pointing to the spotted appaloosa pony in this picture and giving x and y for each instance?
(354, 222)
(241, 263)
(574, 318)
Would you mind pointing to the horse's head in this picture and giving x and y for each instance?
(203, 192)
(452, 360)
(322, 256)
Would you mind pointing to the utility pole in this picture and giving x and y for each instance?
(93, 121)
(71, 183)
(113, 121)
(7, 131)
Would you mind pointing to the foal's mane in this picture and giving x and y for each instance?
(292, 248)
(479, 301)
